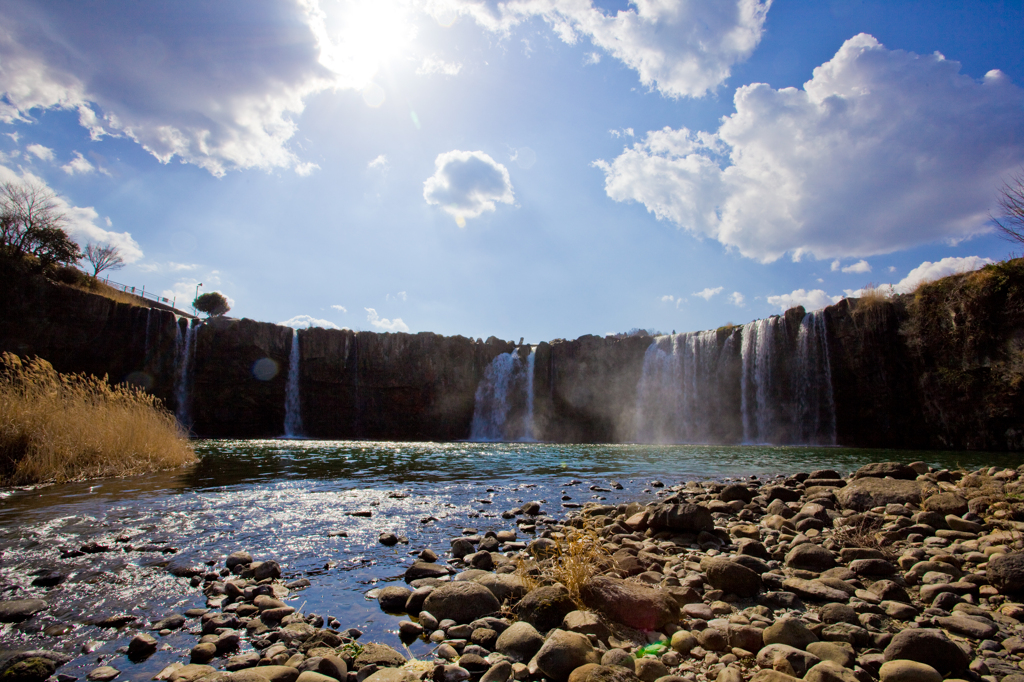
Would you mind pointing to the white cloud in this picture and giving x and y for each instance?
(810, 300)
(835, 265)
(40, 152)
(167, 267)
(892, 268)
(668, 298)
(340, 308)
(928, 271)
(79, 164)
(736, 298)
(181, 89)
(707, 293)
(380, 162)
(395, 325)
(306, 321)
(306, 168)
(592, 58)
(880, 151)
(860, 267)
(436, 65)
(466, 184)
(684, 48)
(81, 220)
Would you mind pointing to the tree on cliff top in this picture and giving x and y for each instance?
(213, 303)
(32, 224)
(102, 258)
(1010, 224)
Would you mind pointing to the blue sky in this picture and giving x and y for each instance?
(533, 168)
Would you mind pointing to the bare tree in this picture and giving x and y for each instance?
(1010, 223)
(102, 258)
(32, 224)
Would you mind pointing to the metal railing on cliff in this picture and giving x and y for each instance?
(140, 292)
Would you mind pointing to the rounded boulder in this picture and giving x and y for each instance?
(463, 601)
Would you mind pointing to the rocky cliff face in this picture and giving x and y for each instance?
(940, 369)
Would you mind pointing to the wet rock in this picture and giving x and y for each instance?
(203, 653)
(424, 569)
(388, 539)
(20, 609)
(520, 642)
(633, 605)
(141, 646)
(810, 557)
(393, 598)
(57, 629)
(731, 577)
(266, 569)
(380, 655)
(682, 518)
(563, 652)
(49, 579)
(928, 646)
(908, 671)
(789, 631)
(171, 622)
(865, 493)
(462, 601)
(33, 669)
(104, 673)
(1006, 573)
(238, 559)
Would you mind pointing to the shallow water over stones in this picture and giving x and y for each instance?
(101, 553)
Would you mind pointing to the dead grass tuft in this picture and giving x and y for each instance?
(66, 427)
(864, 533)
(579, 556)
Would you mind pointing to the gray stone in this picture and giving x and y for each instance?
(883, 469)
(1006, 573)
(546, 607)
(563, 652)
(682, 518)
(814, 590)
(380, 655)
(731, 577)
(928, 646)
(393, 598)
(908, 671)
(810, 557)
(104, 673)
(789, 631)
(520, 642)
(840, 653)
(462, 601)
(20, 609)
(602, 673)
(639, 607)
(650, 669)
(975, 628)
(829, 671)
(866, 493)
(797, 660)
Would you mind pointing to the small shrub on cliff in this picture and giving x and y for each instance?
(213, 303)
(66, 427)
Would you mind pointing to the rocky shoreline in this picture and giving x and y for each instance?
(898, 573)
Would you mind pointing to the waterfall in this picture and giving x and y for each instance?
(679, 389)
(292, 406)
(503, 410)
(757, 389)
(183, 389)
(528, 431)
(815, 405)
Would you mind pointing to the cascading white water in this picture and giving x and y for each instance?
(292, 405)
(528, 432)
(492, 399)
(183, 389)
(677, 386)
(815, 407)
(756, 384)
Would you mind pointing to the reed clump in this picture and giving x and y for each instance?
(577, 556)
(66, 427)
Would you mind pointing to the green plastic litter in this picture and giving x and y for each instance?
(656, 649)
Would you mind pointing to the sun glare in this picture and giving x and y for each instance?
(358, 37)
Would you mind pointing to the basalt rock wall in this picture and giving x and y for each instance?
(943, 368)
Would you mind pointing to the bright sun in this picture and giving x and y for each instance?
(357, 37)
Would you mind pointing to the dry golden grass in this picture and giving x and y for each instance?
(107, 291)
(866, 533)
(579, 556)
(69, 427)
